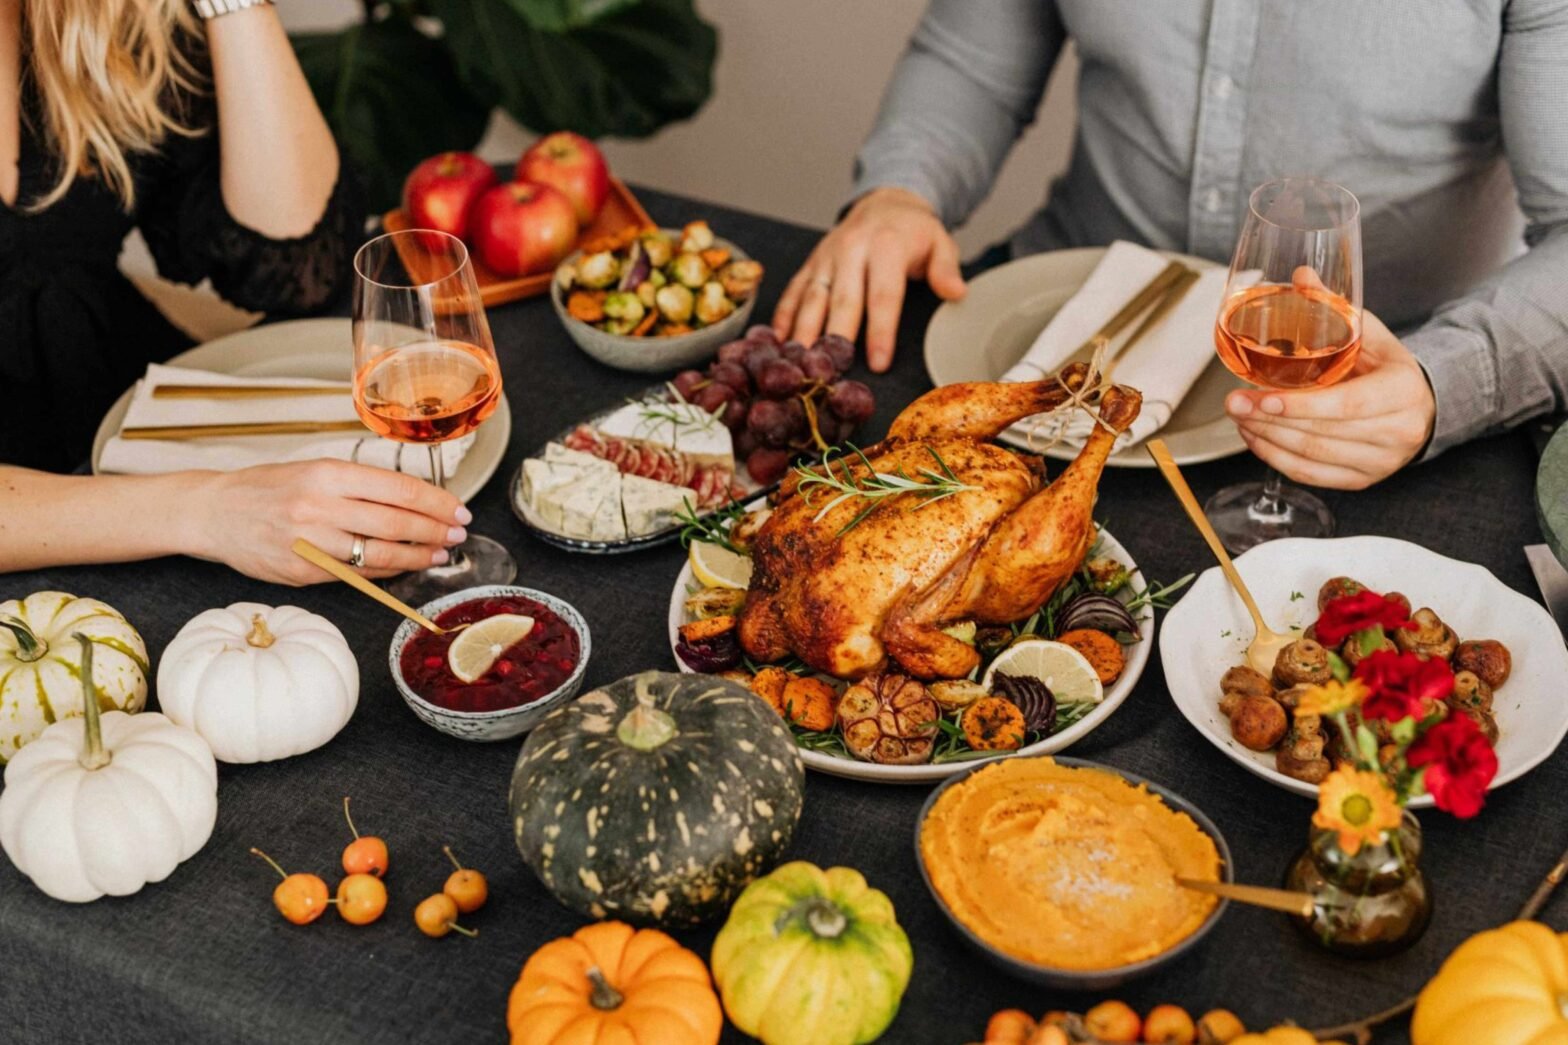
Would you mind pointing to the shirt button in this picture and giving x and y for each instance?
(1211, 200)
(1224, 86)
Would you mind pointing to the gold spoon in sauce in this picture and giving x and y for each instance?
(345, 573)
(1266, 642)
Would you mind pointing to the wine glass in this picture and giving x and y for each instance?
(1290, 318)
(425, 372)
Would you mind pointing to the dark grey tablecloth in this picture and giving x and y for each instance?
(204, 958)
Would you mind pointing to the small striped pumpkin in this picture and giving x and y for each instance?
(41, 665)
(656, 799)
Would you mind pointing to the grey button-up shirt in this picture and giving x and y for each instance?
(1446, 117)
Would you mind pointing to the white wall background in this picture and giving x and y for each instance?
(795, 90)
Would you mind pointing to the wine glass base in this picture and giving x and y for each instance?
(478, 560)
(1244, 517)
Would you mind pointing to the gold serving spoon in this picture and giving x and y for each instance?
(345, 573)
(1300, 904)
(1266, 642)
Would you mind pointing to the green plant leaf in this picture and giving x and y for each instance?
(626, 74)
(557, 16)
(392, 96)
(1337, 667)
(1367, 743)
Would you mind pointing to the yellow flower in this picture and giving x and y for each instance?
(1331, 698)
(1358, 804)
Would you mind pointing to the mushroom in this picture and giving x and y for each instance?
(1304, 660)
(1487, 658)
(1430, 638)
(1258, 723)
(1337, 588)
(1354, 652)
(1471, 692)
(1300, 754)
(1247, 682)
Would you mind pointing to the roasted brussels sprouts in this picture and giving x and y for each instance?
(740, 278)
(1247, 682)
(1430, 638)
(625, 306)
(1106, 575)
(1335, 588)
(675, 303)
(1303, 661)
(658, 278)
(598, 270)
(1258, 723)
(689, 270)
(956, 693)
(1488, 658)
(696, 236)
(566, 275)
(963, 631)
(715, 602)
(1471, 692)
(659, 249)
(645, 293)
(712, 305)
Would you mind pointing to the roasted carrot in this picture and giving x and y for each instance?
(811, 703)
(586, 305)
(647, 323)
(715, 257)
(769, 684)
(994, 724)
(703, 630)
(1102, 651)
(673, 329)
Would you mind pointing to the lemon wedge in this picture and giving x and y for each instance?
(715, 566)
(478, 646)
(1068, 673)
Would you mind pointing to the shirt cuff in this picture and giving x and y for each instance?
(893, 175)
(1460, 368)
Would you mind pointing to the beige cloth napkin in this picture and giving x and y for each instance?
(154, 456)
(1164, 364)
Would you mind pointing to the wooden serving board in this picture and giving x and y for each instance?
(621, 210)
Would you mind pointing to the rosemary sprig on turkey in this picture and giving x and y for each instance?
(928, 485)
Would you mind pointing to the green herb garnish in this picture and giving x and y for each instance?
(874, 486)
(712, 528)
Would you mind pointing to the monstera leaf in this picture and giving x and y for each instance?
(392, 96)
(626, 74)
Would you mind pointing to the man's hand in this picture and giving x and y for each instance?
(889, 235)
(1352, 434)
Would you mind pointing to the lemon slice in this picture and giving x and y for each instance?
(715, 566)
(478, 646)
(1068, 673)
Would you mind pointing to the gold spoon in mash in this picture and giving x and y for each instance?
(1266, 642)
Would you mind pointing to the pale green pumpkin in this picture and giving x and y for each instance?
(812, 957)
(41, 665)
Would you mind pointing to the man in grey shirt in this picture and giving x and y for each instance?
(1446, 118)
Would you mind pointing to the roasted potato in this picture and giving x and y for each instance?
(1258, 723)
(1303, 661)
(1430, 638)
(1471, 692)
(1337, 587)
(1247, 682)
(1487, 658)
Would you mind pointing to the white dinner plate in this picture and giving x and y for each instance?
(982, 336)
(1208, 631)
(322, 349)
(854, 769)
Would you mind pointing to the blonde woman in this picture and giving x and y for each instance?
(190, 120)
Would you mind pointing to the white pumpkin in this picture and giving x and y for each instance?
(104, 805)
(40, 665)
(259, 683)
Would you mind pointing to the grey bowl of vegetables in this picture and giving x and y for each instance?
(665, 300)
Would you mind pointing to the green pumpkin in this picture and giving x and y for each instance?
(657, 798)
(812, 957)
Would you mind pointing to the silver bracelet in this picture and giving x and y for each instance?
(210, 9)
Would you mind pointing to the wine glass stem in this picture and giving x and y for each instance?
(1270, 504)
(438, 476)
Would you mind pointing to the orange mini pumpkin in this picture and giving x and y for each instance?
(614, 985)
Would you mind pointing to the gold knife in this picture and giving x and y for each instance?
(246, 391)
(226, 431)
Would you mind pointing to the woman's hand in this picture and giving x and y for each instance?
(889, 236)
(1352, 434)
(249, 518)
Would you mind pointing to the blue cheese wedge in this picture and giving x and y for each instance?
(589, 508)
(651, 506)
(549, 483)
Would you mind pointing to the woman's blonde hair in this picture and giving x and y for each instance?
(107, 73)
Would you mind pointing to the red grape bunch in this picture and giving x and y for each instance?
(780, 398)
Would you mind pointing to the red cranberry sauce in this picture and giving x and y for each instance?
(528, 670)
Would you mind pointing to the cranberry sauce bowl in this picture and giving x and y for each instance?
(527, 680)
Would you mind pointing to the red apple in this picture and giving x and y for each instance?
(440, 193)
(522, 227)
(573, 164)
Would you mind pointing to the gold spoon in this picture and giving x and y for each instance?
(345, 573)
(1299, 904)
(1266, 642)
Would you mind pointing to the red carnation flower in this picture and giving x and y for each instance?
(1459, 762)
(1402, 684)
(1365, 609)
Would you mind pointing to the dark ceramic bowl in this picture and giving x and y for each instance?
(1083, 979)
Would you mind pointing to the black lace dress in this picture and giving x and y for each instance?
(74, 333)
